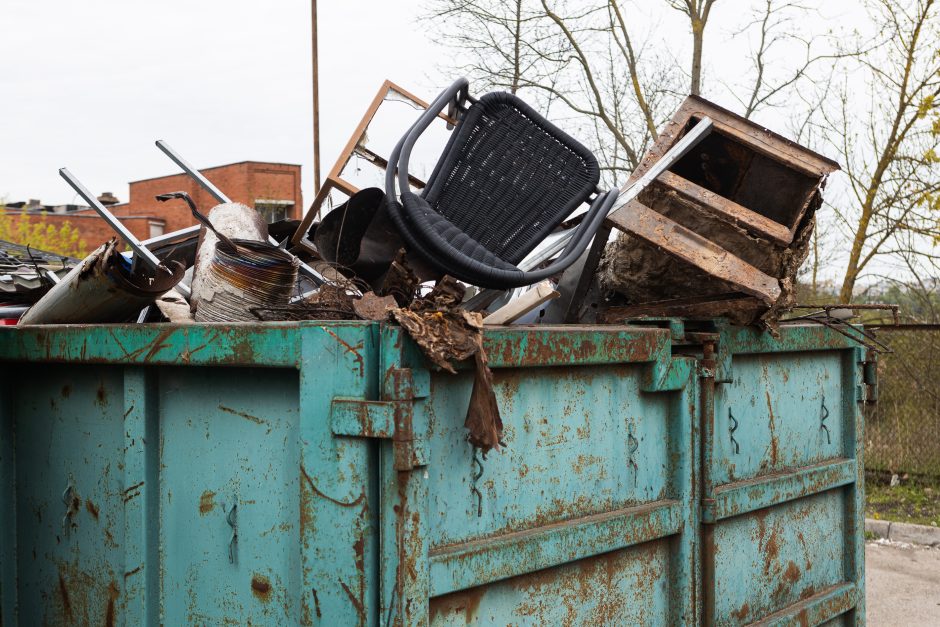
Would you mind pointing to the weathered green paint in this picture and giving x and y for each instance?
(616, 498)
(783, 479)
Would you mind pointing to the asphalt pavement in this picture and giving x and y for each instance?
(902, 585)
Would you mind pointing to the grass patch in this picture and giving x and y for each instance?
(914, 500)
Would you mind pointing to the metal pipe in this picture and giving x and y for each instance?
(140, 251)
(216, 193)
(174, 235)
(316, 101)
(206, 184)
(12, 311)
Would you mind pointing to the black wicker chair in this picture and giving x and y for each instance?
(507, 178)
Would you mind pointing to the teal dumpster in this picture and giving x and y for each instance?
(319, 474)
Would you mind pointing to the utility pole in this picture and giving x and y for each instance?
(316, 102)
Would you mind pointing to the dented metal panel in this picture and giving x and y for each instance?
(318, 473)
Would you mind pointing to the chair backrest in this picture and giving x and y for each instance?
(508, 176)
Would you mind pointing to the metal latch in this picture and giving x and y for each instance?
(391, 419)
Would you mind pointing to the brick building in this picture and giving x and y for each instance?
(272, 188)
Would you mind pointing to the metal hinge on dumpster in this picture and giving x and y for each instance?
(391, 419)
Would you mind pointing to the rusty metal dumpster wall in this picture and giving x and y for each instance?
(318, 473)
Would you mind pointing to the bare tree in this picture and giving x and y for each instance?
(890, 150)
(589, 64)
(497, 39)
(784, 58)
(697, 12)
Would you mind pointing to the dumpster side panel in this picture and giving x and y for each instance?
(585, 516)
(229, 486)
(579, 441)
(626, 587)
(781, 411)
(70, 493)
(8, 531)
(783, 481)
(184, 475)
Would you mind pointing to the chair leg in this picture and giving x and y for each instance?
(575, 284)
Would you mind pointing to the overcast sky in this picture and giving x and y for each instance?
(90, 85)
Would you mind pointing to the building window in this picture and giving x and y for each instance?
(274, 210)
(156, 229)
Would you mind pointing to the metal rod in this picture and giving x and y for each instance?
(206, 184)
(316, 101)
(140, 251)
(222, 198)
(174, 235)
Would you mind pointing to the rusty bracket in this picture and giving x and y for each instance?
(391, 419)
(870, 377)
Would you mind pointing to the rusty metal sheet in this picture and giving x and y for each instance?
(101, 289)
(636, 584)
(736, 212)
(337, 487)
(674, 239)
(727, 210)
(783, 496)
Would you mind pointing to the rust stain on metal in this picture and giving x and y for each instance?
(133, 572)
(792, 574)
(244, 415)
(359, 548)
(101, 396)
(741, 613)
(357, 603)
(465, 602)
(354, 350)
(773, 434)
(132, 491)
(92, 508)
(261, 587)
(206, 502)
(64, 596)
(109, 615)
(316, 603)
(771, 550)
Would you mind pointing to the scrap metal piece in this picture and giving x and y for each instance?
(360, 235)
(831, 309)
(141, 252)
(233, 220)
(374, 307)
(689, 246)
(734, 214)
(175, 308)
(235, 274)
(738, 307)
(101, 289)
(216, 193)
